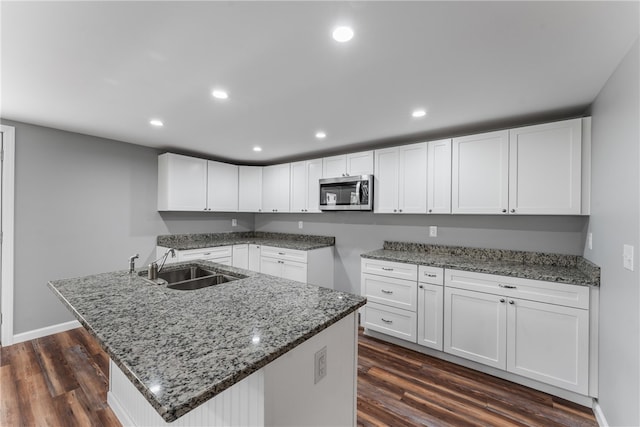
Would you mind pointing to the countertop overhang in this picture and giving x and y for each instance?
(181, 348)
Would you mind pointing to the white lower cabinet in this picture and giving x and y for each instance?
(240, 256)
(545, 339)
(430, 307)
(254, 257)
(313, 267)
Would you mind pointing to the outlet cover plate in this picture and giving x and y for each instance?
(320, 366)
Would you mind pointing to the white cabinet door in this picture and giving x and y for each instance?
(240, 256)
(305, 188)
(182, 183)
(412, 178)
(549, 343)
(360, 163)
(348, 165)
(294, 271)
(334, 166)
(314, 173)
(439, 176)
(222, 187)
(385, 185)
(271, 266)
(475, 326)
(480, 174)
(275, 188)
(249, 188)
(254, 257)
(430, 315)
(545, 175)
(298, 202)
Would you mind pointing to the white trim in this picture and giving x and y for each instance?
(43, 332)
(597, 411)
(8, 206)
(118, 409)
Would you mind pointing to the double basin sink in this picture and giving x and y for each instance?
(191, 277)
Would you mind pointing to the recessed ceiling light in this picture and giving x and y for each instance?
(342, 34)
(419, 113)
(156, 122)
(220, 94)
(321, 135)
(256, 148)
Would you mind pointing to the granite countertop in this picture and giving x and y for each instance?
(570, 269)
(301, 242)
(181, 348)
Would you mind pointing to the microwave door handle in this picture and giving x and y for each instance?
(358, 191)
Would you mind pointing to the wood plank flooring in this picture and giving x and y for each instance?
(62, 380)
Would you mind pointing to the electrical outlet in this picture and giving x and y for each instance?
(433, 231)
(320, 370)
(300, 225)
(627, 257)
(234, 222)
(590, 241)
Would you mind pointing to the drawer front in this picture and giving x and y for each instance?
(398, 270)
(284, 254)
(433, 275)
(205, 253)
(391, 321)
(389, 291)
(532, 290)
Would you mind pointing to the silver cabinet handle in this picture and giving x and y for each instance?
(385, 320)
(384, 291)
(506, 286)
(502, 300)
(387, 269)
(511, 301)
(206, 253)
(281, 253)
(513, 211)
(430, 275)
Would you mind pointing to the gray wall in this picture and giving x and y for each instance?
(615, 220)
(83, 205)
(358, 232)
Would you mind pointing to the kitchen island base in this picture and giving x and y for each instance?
(284, 392)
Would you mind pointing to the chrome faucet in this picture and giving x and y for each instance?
(164, 257)
(132, 263)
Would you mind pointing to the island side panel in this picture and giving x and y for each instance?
(238, 406)
(293, 398)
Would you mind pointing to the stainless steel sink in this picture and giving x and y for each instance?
(189, 273)
(202, 282)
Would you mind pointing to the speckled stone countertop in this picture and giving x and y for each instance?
(570, 269)
(301, 242)
(181, 348)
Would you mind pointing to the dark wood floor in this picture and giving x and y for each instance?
(62, 380)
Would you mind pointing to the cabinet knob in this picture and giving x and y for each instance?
(399, 210)
(513, 211)
(421, 286)
(395, 210)
(511, 301)
(430, 210)
(502, 300)
(504, 211)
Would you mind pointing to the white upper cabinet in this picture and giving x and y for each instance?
(249, 188)
(348, 165)
(275, 188)
(222, 187)
(480, 174)
(305, 189)
(545, 169)
(182, 183)
(401, 179)
(439, 176)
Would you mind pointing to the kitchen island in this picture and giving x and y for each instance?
(238, 353)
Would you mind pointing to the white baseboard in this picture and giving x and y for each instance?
(43, 332)
(597, 411)
(118, 410)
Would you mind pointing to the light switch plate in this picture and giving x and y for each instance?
(627, 257)
(433, 231)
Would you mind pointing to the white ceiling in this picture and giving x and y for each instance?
(107, 68)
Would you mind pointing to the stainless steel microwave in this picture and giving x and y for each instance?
(347, 193)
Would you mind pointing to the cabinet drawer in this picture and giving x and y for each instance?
(533, 290)
(433, 275)
(205, 253)
(285, 254)
(398, 270)
(391, 321)
(398, 293)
